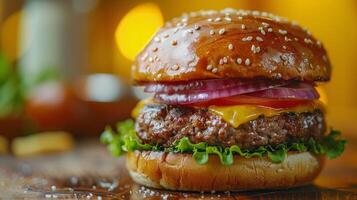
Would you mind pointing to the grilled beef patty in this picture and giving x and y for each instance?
(164, 124)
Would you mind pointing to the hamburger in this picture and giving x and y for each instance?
(234, 106)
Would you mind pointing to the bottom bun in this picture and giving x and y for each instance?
(178, 171)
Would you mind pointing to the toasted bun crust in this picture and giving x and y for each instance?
(232, 44)
(176, 171)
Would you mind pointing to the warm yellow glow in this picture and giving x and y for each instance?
(10, 36)
(334, 23)
(323, 95)
(137, 27)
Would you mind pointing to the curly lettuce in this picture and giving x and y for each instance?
(124, 139)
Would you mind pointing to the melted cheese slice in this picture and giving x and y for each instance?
(141, 104)
(240, 114)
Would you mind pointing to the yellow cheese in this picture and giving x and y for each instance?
(240, 114)
(141, 104)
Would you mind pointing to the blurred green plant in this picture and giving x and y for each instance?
(47, 74)
(11, 92)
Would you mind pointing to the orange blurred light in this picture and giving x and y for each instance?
(10, 36)
(137, 27)
(323, 95)
(334, 23)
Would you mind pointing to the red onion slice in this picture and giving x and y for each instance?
(201, 85)
(189, 97)
(294, 91)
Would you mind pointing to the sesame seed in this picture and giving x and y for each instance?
(262, 31)
(197, 27)
(308, 41)
(155, 49)
(228, 19)
(151, 59)
(230, 46)
(255, 49)
(144, 57)
(175, 67)
(221, 31)
(240, 17)
(248, 38)
(283, 32)
(209, 67)
(214, 70)
(284, 47)
(287, 39)
(259, 39)
(225, 60)
(174, 42)
(239, 60)
(210, 20)
(247, 61)
(218, 19)
(211, 32)
(157, 39)
(270, 30)
(228, 11)
(184, 19)
(265, 24)
(308, 32)
(189, 31)
(243, 26)
(318, 43)
(166, 35)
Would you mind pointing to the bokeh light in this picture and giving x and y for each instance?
(334, 23)
(137, 27)
(10, 36)
(323, 96)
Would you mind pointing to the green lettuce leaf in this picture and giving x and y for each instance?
(333, 147)
(124, 139)
(277, 156)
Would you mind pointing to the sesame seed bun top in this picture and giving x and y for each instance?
(232, 44)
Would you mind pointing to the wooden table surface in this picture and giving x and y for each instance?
(89, 172)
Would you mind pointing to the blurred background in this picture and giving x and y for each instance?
(65, 64)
